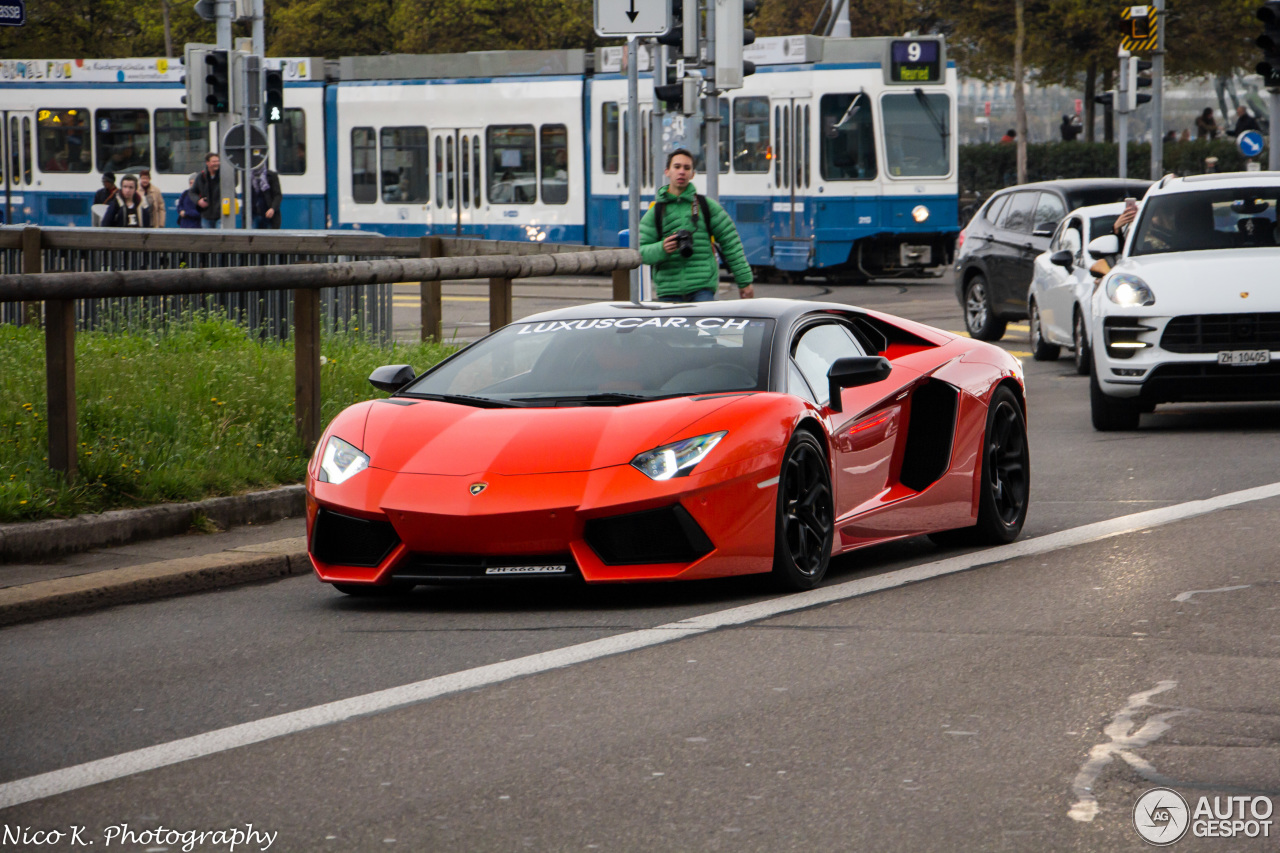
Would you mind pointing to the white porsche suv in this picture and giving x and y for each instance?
(1191, 308)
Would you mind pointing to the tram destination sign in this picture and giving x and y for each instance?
(13, 13)
(915, 61)
(629, 17)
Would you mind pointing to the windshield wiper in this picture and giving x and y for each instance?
(604, 397)
(939, 124)
(468, 400)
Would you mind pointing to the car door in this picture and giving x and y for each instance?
(1010, 244)
(865, 433)
(1058, 285)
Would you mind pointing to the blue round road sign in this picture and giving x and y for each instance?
(1250, 143)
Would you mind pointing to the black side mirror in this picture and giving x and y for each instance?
(1064, 259)
(855, 371)
(391, 377)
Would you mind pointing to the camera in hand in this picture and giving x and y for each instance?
(684, 242)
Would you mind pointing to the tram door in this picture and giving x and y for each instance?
(458, 178)
(792, 176)
(16, 156)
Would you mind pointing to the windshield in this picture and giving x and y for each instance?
(1213, 219)
(917, 134)
(607, 361)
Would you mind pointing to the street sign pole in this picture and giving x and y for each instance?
(227, 177)
(247, 221)
(1157, 97)
(711, 119)
(1122, 113)
(633, 155)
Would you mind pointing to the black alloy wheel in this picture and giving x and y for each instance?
(1005, 490)
(1041, 350)
(979, 317)
(1080, 339)
(805, 525)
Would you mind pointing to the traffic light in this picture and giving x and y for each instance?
(731, 36)
(193, 75)
(681, 95)
(1135, 22)
(1139, 78)
(1107, 99)
(684, 28)
(218, 80)
(274, 101)
(1269, 41)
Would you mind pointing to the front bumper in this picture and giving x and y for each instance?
(613, 524)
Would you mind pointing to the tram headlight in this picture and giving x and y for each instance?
(919, 213)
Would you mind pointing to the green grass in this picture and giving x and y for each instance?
(196, 410)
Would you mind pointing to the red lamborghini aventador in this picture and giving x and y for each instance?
(641, 441)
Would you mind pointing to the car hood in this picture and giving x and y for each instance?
(428, 437)
(1210, 282)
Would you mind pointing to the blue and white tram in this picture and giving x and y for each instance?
(68, 122)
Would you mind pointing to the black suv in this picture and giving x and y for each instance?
(996, 251)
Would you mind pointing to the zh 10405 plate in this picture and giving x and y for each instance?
(526, 570)
(1243, 357)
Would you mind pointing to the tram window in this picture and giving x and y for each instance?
(464, 166)
(751, 135)
(364, 166)
(609, 136)
(439, 171)
(62, 140)
(555, 164)
(848, 143)
(404, 164)
(626, 151)
(15, 153)
(181, 143)
(646, 158)
(26, 150)
(700, 160)
(124, 140)
(512, 164)
(475, 169)
(784, 134)
(808, 147)
(291, 143)
(777, 151)
(917, 134)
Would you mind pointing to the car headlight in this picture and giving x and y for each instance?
(677, 459)
(920, 213)
(1126, 289)
(341, 461)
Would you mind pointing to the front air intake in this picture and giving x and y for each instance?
(667, 535)
(341, 540)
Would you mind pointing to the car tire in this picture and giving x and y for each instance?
(1111, 414)
(1005, 491)
(979, 317)
(360, 590)
(1080, 338)
(1041, 350)
(805, 525)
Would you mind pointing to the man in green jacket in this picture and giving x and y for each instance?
(694, 278)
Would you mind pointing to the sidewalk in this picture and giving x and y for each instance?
(162, 554)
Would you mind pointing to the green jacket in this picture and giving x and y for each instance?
(674, 275)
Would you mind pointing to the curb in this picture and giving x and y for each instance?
(131, 584)
(34, 541)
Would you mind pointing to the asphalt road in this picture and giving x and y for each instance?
(1022, 705)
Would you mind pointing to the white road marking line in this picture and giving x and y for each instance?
(1186, 596)
(221, 740)
(1120, 743)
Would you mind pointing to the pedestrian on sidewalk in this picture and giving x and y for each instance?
(152, 198)
(126, 210)
(188, 210)
(209, 192)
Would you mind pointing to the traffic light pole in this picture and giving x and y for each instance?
(226, 172)
(247, 221)
(711, 117)
(1122, 113)
(1157, 97)
(633, 155)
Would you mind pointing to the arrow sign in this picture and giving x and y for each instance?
(632, 17)
(1250, 143)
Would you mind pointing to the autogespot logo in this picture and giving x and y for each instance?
(1161, 816)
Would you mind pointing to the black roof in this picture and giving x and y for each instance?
(777, 309)
(1070, 184)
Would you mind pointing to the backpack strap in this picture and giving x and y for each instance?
(657, 217)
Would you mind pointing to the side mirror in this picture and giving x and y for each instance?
(853, 372)
(1064, 259)
(391, 377)
(1107, 244)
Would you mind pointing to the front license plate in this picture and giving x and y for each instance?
(526, 570)
(1239, 357)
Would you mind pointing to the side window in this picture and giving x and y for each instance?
(1073, 242)
(364, 166)
(995, 208)
(62, 140)
(181, 143)
(291, 142)
(848, 140)
(404, 164)
(817, 349)
(1020, 212)
(1049, 212)
(796, 384)
(609, 137)
(124, 140)
(512, 164)
(751, 135)
(554, 142)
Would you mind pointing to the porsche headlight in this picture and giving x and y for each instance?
(1126, 289)
(678, 458)
(341, 461)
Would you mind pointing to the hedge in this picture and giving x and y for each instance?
(989, 167)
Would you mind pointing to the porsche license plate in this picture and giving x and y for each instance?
(526, 570)
(1240, 357)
